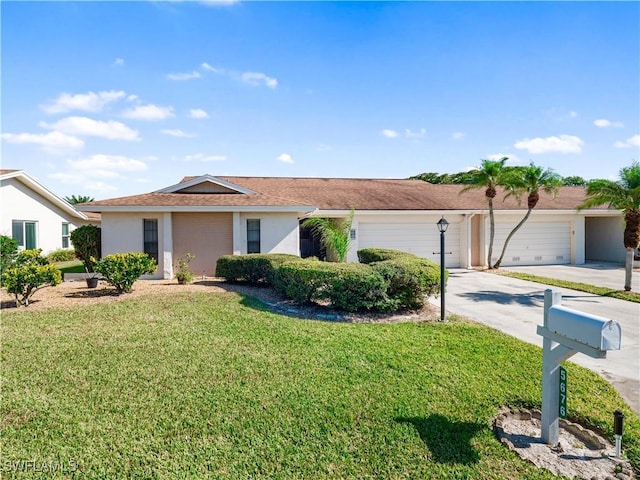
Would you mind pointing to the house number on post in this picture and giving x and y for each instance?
(563, 393)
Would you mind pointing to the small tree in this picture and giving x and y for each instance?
(335, 234)
(76, 199)
(87, 244)
(121, 270)
(8, 252)
(29, 273)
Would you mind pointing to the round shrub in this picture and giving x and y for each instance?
(304, 281)
(370, 255)
(254, 268)
(121, 270)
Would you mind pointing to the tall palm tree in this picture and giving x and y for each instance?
(624, 195)
(74, 200)
(489, 176)
(335, 234)
(529, 180)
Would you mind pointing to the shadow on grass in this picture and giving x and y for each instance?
(448, 442)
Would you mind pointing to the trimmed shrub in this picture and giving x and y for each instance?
(254, 268)
(370, 255)
(87, 242)
(8, 251)
(304, 282)
(121, 270)
(409, 279)
(62, 255)
(28, 273)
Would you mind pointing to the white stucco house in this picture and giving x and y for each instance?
(36, 217)
(209, 216)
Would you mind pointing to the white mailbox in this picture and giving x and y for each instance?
(591, 330)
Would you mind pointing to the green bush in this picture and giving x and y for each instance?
(28, 273)
(370, 255)
(304, 281)
(254, 268)
(8, 251)
(62, 255)
(87, 243)
(121, 270)
(409, 279)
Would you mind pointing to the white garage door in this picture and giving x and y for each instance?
(420, 239)
(536, 243)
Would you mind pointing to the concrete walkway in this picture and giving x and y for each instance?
(515, 307)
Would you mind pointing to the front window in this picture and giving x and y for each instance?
(151, 238)
(65, 235)
(253, 236)
(24, 232)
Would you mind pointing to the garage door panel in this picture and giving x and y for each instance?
(421, 240)
(542, 243)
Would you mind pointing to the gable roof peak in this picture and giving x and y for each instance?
(190, 185)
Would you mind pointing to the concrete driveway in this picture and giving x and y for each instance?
(515, 307)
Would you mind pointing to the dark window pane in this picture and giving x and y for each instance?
(17, 232)
(253, 236)
(151, 238)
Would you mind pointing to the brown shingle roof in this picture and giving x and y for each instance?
(345, 193)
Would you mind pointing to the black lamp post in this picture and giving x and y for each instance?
(442, 227)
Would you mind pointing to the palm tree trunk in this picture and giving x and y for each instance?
(628, 269)
(511, 234)
(492, 232)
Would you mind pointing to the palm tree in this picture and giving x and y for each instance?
(335, 234)
(624, 195)
(489, 176)
(529, 180)
(74, 200)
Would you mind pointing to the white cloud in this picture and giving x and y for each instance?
(201, 157)
(284, 158)
(458, 135)
(389, 133)
(106, 166)
(604, 123)
(179, 133)
(52, 142)
(118, 62)
(198, 113)
(184, 76)
(629, 142)
(256, 79)
(512, 159)
(573, 114)
(87, 127)
(210, 68)
(148, 112)
(418, 134)
(87, 102)
(561, 144)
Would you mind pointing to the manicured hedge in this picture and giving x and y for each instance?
(370, 255)
(254, 268)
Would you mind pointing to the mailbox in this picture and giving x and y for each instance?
(591, 330)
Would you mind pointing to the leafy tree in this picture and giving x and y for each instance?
(335, 234)
(29, 273)
(87, 242)
(528, 180)
(8, 251)
(431, 177)
(74, 200)
(574, 181)
(489, 176)
(121, 270)
(624, 195)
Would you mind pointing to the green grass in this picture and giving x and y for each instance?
(213, 386)
(72, 266)
(581, 287)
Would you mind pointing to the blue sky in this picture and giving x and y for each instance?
(118, 98)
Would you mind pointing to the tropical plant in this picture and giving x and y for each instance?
(28, 273)
(335, 234)
(489, 176)
(183, 274)
(623, 194)
(74, 200)
(86, 241)
(528, 180)
(574, 181)
(8, 251)
(121, 270)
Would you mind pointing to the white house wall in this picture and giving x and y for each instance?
(22, 203)
(278, 232)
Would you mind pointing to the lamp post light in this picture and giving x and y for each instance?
(442, 227)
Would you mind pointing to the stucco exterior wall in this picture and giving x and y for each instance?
(278, 232)
(21, 203)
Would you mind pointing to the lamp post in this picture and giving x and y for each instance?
(442, 227)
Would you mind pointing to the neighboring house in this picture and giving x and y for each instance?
(34, 216)
(211, 216)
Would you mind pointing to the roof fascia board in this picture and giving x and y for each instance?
(169, 209)
(206, 178)
(41, 190)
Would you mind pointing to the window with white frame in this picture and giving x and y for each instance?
(253, 236)
(65, 235)
(25, 233)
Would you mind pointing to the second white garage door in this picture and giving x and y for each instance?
(536, 243)
(420, 239)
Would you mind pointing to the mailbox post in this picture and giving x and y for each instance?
(566, 332)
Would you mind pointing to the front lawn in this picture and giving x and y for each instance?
(200, 385)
